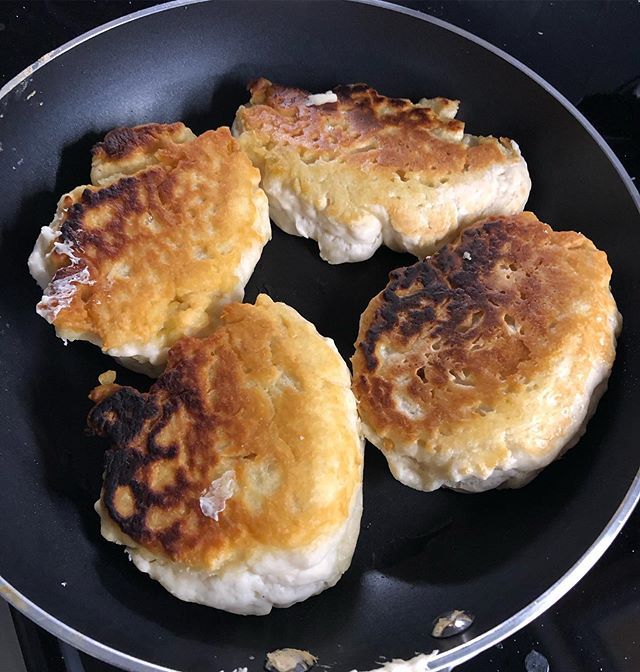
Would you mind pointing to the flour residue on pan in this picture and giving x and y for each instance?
(419, 663)
(289, 660)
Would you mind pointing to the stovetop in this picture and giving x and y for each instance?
(587, 50)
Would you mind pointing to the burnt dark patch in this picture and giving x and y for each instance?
(121, 466)
(146, 497)
(123, 199)
(156, 449)
(170, 538)
(347, 90)
(368, 110)
(396, 102)
(176, 383)
(122, 141)
(117, 143)
(134, 423)
(122, 416)
(439, 294)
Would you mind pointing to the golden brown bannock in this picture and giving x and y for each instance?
(236, 481)
(354, 169)
(171, 231)
(479, 366)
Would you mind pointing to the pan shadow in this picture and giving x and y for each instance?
(75, 163)
(227, 96)
(323, 616)
(61, 376)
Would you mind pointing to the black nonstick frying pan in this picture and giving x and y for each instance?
(504, 556)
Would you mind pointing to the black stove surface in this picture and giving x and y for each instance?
(587, 50)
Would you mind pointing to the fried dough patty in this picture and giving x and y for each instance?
(354, 169)
(170, 231)
(236, 481)
(480, 365)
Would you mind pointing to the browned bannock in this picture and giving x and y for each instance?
(367, 170)
(168, 232)
(450, 354)
(265, 397)
(364, 127)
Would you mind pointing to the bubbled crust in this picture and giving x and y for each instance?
(367, 128)
(162, 243)
(484, 357)
(408, 165)
(264, 396)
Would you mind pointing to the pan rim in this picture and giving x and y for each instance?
(466, 650)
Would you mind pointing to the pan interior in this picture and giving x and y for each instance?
(419, 554)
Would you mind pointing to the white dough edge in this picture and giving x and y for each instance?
(503, 190)
(149, 358)
(522, 466)
(273, 578)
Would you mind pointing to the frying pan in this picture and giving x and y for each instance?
(505, 555)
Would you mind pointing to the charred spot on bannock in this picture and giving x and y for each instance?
(121, 416)
(120, 142)
(441, 292)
